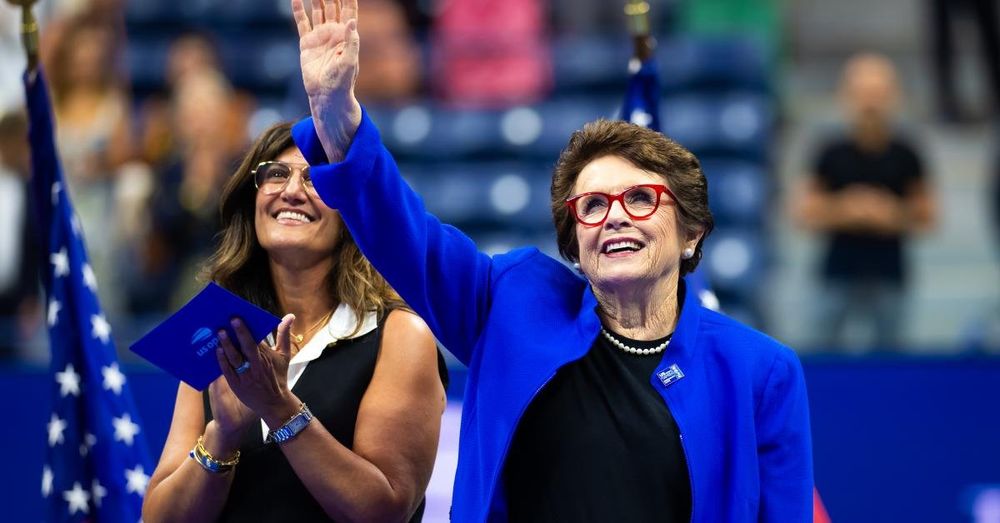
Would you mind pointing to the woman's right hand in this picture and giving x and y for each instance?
(231, 416)
(328, 52)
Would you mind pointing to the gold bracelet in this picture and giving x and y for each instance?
(208, 462)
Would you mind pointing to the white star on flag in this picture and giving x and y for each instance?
(101, 329)
(125, 430)
(88, 277)
(47, 478)
(136, 480)
(69, 381)
(640, 117)
(80, 447)
(60, 263)
(54, 308)
(56, 427)
(77, 499)
(113, 378)
(98, 492)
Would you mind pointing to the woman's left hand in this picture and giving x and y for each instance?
(264, 385)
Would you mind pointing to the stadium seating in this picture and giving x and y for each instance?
(488, 171)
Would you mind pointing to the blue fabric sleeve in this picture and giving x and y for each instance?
(784, 444)
(435, 267)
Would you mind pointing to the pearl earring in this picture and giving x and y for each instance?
(688, 253)
(576, 265)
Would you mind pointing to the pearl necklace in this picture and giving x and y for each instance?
(632, 350)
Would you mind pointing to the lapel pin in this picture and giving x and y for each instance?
(672, 375)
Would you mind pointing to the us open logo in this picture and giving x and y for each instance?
(200, 336)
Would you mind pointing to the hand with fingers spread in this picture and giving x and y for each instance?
(258, 373)
(328, 48)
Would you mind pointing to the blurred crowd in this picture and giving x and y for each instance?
(145, 165)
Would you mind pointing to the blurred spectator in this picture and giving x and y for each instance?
(867, 194)
(20, 314)
(390, 57)
(418, 15)
(191, 53)
(12, 61)
(490, 53)
(58, 17)
(190, 135)
(93, 129)
(392, 54)
(207, 132)
(944, 16)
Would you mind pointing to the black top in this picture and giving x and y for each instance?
(598, 443)
(266, 487)
(859, 255)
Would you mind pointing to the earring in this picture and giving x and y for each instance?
(576, 265)
(688, 253)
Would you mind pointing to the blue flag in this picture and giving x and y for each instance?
(642, 107)
(642, 96)
(97, 464)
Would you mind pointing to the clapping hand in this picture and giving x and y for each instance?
(258, 373)
(229, 413)
(328, 51)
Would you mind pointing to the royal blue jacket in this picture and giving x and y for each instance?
(516, 318)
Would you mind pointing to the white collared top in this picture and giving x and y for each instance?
(339, 327)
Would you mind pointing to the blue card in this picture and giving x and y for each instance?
(184, 345)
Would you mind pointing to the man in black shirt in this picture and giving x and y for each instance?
(869, 191)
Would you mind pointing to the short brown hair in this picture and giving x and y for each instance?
(240, 264)
(645, 149)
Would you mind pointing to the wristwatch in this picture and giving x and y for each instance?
(292, 427)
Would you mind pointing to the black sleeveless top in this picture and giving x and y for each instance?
(265, 487)
(599, 444)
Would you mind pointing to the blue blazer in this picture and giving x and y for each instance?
(738, 396)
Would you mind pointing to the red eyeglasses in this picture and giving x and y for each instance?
(639, 201)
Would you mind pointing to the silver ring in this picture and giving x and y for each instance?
(243, 368)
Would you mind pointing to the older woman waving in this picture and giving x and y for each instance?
(609, 397)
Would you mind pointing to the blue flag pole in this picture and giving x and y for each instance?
(97, 464)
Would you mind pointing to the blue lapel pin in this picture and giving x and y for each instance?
(672, 375)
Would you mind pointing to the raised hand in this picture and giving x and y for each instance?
(328, 52)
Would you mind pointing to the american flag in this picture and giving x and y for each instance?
(97, 464)
(642, 95)
(642, 107)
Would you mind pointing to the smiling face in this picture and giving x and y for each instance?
(295, 221)
(624, 251)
